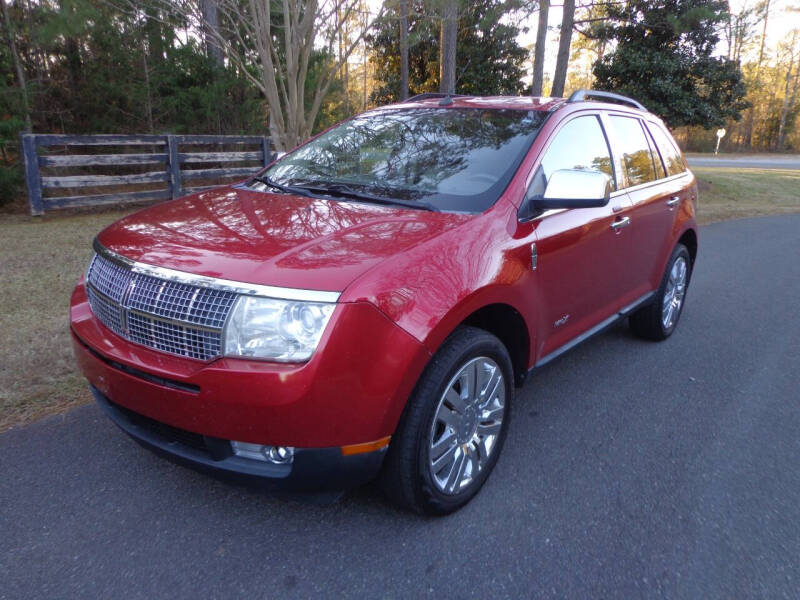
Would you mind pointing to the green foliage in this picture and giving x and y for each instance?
(333, 108)
(10, 167)
(663, 58)
(10, 182)
(488, 61)
(96, 68)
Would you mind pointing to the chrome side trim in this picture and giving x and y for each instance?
(577, 340)
(238, 287)
(637, 303)
(594, 330)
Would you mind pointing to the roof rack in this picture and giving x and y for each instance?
(582, 95)
(429, 95)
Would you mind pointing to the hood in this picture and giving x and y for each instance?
(272, 239)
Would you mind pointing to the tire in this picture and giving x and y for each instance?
(409, 478)
(650, 322)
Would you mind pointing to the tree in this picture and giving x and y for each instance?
(489, 59)
(738, 30)
(664, 58)
(8, 27)
(791, 86)
(538, 53)
(587, 48)
(562, 60)
(272, 44)
(748, 135)
(211, 31)
(447, 46)
(403, 50)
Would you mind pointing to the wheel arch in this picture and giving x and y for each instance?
(502, 320)
(507, 324)
(689, 239)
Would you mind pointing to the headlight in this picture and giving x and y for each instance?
(282, 330)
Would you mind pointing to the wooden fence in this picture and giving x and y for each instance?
(168, 154)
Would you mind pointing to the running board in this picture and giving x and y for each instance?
(603, 325)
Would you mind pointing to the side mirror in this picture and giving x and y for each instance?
(568, 188)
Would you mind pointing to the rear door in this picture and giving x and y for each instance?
(654, 197)
(581, 262)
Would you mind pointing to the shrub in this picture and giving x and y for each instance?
(10, 182)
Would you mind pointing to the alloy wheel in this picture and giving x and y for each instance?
(674, 293)
(466, 426)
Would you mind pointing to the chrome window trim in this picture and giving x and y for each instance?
(648, 184)
(226, 285)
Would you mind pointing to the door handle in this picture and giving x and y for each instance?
(623, 222)
(673, 201)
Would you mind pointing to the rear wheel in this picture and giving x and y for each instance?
(454, 425)
(658, 320)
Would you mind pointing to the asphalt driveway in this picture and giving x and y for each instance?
(632, 470)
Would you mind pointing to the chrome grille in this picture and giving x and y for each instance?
(107, 312)
(173, 300)
(173, 338)
(166, 315)
(109, 278)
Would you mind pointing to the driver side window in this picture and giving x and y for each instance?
(580, 144)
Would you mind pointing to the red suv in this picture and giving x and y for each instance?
(366, 305)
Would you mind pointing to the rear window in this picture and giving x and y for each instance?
(672, 158)
(632, 145)
(660, 173)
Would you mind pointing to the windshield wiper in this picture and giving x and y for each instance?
(347, 191)
(286, 189)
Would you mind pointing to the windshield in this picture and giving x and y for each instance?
(452, 159)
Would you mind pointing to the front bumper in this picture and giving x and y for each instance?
(352, 391)
(313, 469)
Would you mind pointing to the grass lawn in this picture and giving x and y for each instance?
(731, 193)
(40, 260)
(760, 155)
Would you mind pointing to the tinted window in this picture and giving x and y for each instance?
(454, 158)
(672, 158)
(580, 144)
(632, 145)
(660, 173)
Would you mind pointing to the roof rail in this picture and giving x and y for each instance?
(582, 95)
(429, 95)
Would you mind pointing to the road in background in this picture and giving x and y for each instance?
(771, 161)
(632, 469)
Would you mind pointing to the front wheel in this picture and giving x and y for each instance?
(658, 319)
(454, 425)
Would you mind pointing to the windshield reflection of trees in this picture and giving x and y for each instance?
(411, 152)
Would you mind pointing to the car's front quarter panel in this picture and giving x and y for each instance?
(431, 289)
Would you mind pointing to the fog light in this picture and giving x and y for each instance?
(279, 455)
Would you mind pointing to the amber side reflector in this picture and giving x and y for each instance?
(366, 446)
